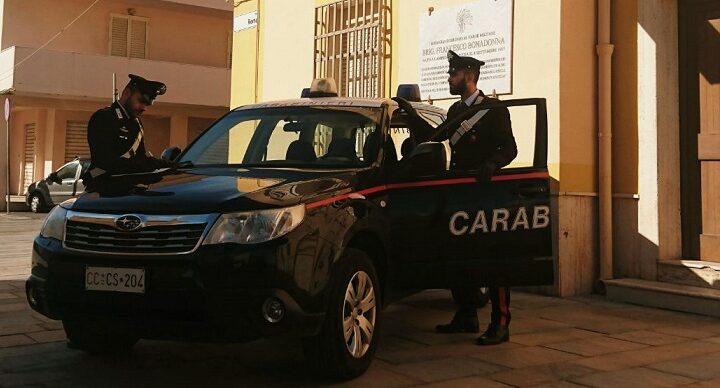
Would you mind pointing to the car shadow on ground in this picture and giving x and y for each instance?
(266, 362)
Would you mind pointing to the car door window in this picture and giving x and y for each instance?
(68, 171)
(400, 134)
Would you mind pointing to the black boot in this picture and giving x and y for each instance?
(494, 335)
(460, 324)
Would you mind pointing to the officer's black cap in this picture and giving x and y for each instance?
(462, 63)
(149, 90)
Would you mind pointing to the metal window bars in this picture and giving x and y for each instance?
(351, 39)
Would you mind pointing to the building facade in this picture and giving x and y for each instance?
(633, 103)
(54, 88)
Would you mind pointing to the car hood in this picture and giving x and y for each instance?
(212, 190)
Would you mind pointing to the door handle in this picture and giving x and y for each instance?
(530, 190)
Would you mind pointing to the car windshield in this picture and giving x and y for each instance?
(296, 136)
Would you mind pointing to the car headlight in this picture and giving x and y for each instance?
(255, 227)
(54, 225)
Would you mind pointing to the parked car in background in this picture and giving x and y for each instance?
(59, 186)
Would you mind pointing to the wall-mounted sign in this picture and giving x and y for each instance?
(482, 29)
(245, 21)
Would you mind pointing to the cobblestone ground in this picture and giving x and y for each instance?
(555, 343)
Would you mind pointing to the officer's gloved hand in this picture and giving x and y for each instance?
(405, 105)
(486, 170)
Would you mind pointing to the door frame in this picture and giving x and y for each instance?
(689, 12)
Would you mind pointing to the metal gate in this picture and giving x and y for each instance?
(29, 159)
(76, 144)
(351, 43)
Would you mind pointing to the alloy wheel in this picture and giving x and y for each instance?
(359, 312)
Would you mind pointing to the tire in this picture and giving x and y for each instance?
(99, 337)
(331, 353)
(36, 202)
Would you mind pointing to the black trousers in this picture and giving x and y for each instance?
(468, 301)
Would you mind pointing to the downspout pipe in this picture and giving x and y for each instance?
(605, 51)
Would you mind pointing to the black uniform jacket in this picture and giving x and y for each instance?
(111, 136)
(491, 139)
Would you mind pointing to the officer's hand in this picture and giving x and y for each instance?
(405, 105)
(486, 171)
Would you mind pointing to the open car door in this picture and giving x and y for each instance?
(476, 233)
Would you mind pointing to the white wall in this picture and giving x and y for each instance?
(90, 76)
(225, 5)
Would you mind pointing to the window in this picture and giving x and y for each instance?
(128, 36)
(68, 171)
(351, 46)
(316, 137)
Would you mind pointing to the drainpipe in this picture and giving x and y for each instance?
(604, 51)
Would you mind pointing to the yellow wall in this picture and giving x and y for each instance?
(287, 68)
(172, 34)
(578, 97)
(245, 72)
(624, 96)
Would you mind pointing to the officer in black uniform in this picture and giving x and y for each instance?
(115, 135)
(485, 143)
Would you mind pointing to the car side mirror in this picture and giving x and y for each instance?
(170, 154)
(427, 158)
(53, 177)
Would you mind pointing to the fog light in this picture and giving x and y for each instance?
(273, 310)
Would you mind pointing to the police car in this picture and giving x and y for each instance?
(299, 218)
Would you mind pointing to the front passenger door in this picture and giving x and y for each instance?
(64, 190)
(486, 233)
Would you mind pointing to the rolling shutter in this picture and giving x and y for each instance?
(128, 36)
(29, 165)
(138, 39)
(119, 29)
(76, 144)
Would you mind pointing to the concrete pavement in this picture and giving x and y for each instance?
(554, 343)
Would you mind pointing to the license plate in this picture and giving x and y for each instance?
(115, 279)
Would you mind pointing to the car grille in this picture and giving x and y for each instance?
(166, 236)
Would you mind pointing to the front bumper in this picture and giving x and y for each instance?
(213, 294)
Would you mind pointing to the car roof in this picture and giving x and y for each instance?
(339, 101)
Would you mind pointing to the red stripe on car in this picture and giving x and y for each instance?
(439, 182)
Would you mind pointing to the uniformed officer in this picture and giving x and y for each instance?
(485, 143)
(115, 134)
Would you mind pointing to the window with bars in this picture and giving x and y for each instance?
(350, 46)
(128, 36)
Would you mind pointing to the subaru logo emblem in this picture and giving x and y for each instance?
(128, 223)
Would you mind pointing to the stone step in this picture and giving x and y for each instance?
(690, 273)
(678, 297)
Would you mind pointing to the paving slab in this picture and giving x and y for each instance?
(447, 369)
(525, 356)
(543, 374)
(632, 378)
(699, 368)
(649, 355)
(648, 337)
(595, 346)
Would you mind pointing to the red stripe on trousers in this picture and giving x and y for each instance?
(503, 307)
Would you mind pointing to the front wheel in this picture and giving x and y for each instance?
(345, 347)
(36, 203)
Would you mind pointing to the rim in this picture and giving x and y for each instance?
(34, 203)
(359, 311)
